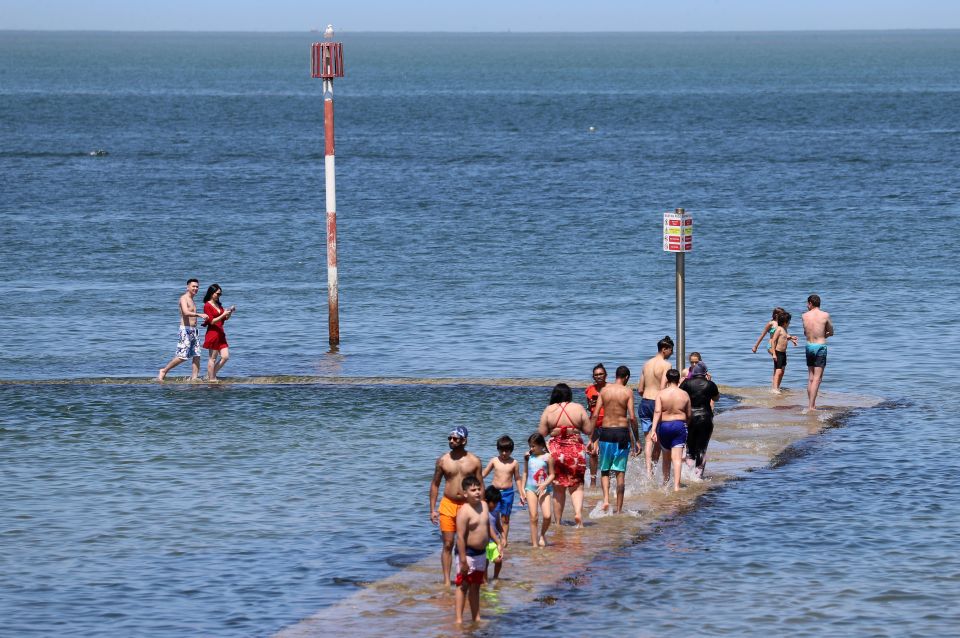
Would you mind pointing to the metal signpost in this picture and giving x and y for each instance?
(678, 238)
(327, 63)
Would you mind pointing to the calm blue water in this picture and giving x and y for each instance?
(484, 232)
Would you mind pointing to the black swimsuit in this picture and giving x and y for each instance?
(700, 427)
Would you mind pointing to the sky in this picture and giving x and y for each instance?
(488, 15)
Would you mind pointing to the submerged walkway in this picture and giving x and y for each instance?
(411, 602)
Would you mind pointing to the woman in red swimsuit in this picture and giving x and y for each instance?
(215, 341)
(564, 421)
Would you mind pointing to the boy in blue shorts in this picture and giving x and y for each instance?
(506, 474)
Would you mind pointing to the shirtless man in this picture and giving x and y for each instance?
(618, 435)
(816, 328)
(188, 344)
(453, 466)
(652, 380)
(670, 417)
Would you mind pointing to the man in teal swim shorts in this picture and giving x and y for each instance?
(816, 328)
(618, 435)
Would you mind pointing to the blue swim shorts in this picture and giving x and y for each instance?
(188, 343)
(614, 449)
(645, 413)
(816, 355)
(672, 434)
(505, 506)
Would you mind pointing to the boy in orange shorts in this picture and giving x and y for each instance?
(452, 467)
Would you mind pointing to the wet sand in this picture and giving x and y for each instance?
(750, 435)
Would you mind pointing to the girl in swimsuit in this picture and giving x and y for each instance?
(563, 420)
(539, 472)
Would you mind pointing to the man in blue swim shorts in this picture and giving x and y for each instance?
(652, 380)
(816, 328)
(670, 417)
(617, 436)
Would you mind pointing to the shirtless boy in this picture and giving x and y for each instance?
(188, 344)
(617, 436)
(453, 467)
(779, 341)
(816, 328)
(670, 416)
(652, 380)
(506, 474)
(473, 534)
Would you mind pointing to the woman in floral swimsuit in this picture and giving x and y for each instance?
(564, 421)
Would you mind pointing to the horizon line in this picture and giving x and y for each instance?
(498, 32)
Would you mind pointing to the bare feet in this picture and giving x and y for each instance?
(577, 521)
(213, 380)
(542, 542)
(606, 506)
(161, 375)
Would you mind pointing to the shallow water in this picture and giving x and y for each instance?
(485, 233)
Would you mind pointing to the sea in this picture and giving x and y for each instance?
(499, 201)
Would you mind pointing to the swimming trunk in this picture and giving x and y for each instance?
(505, 506)
(493, 551)
(816, 355)
(188, 343)
(699, 431)
(614, 449)
(780, 362)
(448, 514)
(671, 434)
(476, 567)
(645, 412)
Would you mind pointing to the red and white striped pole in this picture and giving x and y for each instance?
(327, 63)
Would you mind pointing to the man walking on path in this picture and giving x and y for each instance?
(452, 467)
(670, 418)
(816, 328)
(617, 436)
(652, 380)
(188, 343)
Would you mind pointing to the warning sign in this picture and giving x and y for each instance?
(678, 231)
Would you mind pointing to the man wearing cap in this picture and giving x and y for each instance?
(703, 393)
(452, 467)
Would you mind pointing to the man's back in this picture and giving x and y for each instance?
(616, 401)
(816, 326)
(651, 379)
(674, 404)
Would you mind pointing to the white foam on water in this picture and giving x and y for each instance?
(599, 512)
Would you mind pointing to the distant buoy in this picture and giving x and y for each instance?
(592, 129)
